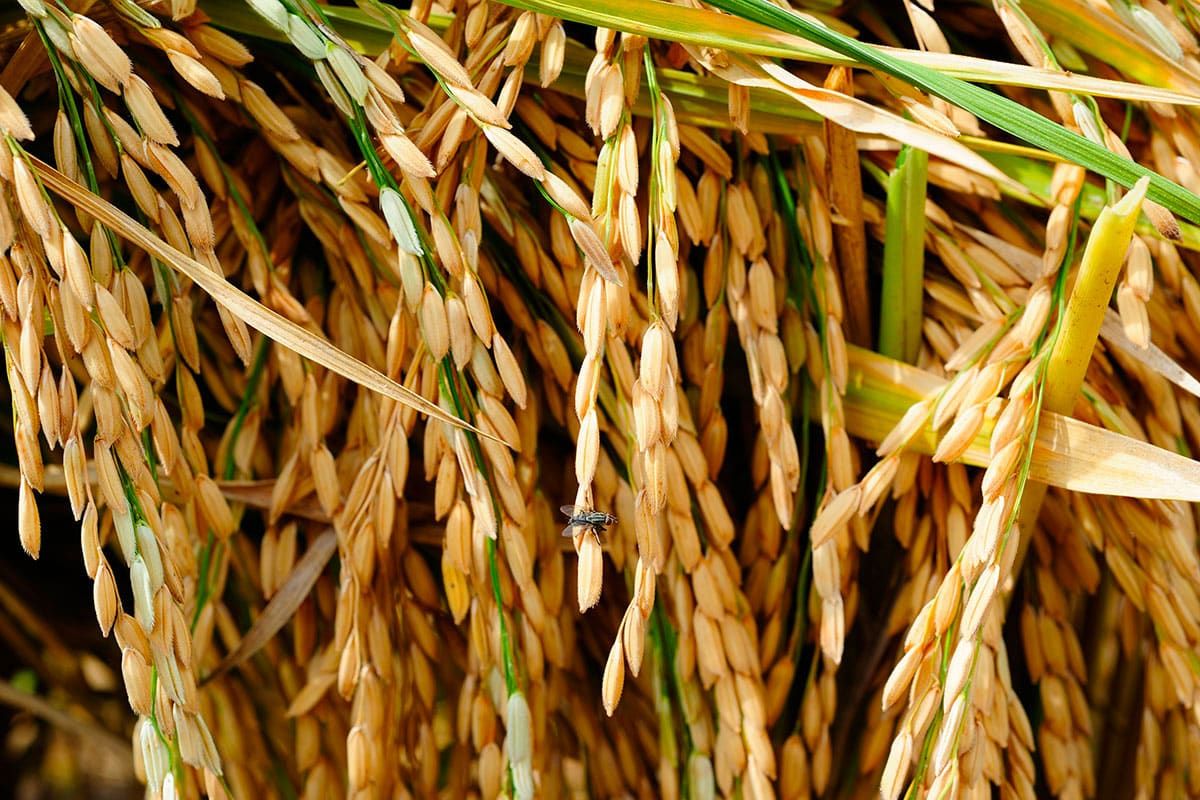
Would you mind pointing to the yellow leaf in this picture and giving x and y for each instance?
(1068, 453)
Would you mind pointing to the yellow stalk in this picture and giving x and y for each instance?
(1080, 327)
(1089, 300)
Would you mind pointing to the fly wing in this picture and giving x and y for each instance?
(570, 511)
(569, 530)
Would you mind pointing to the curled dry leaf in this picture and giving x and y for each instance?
(283, 604)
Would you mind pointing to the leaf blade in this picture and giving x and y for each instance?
(283, 603)
(704, 27)
(1007, 115)
(1068, 453)
(253, 313)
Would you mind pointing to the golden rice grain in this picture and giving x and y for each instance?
(100, 55)
(12, 119)
(434, 51)
(835, 515)
(105, 596)
(613, 682)
(29, 526)
(510, 372)
(34, 208)
(591, 572)
(515, 151)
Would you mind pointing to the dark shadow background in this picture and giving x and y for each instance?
(51, 646)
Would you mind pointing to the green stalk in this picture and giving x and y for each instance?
(904, 257)
(446, 379)
(663, 661)
(658, 132)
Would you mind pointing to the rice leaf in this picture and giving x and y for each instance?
(1007, 115)
(1069, 453)
(1103, 35)
(245, 308)
(283, 603)
(1034, 175)
(854, 114)
(703, 27)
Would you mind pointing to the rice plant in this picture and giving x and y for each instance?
(622, 398)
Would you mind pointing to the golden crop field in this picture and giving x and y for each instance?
(599, 399)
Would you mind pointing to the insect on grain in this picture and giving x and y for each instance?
(595, 521)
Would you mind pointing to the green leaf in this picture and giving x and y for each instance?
(1007, 115)
(706, 28)
(1036, 177)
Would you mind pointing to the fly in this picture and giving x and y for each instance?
(595, 521)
